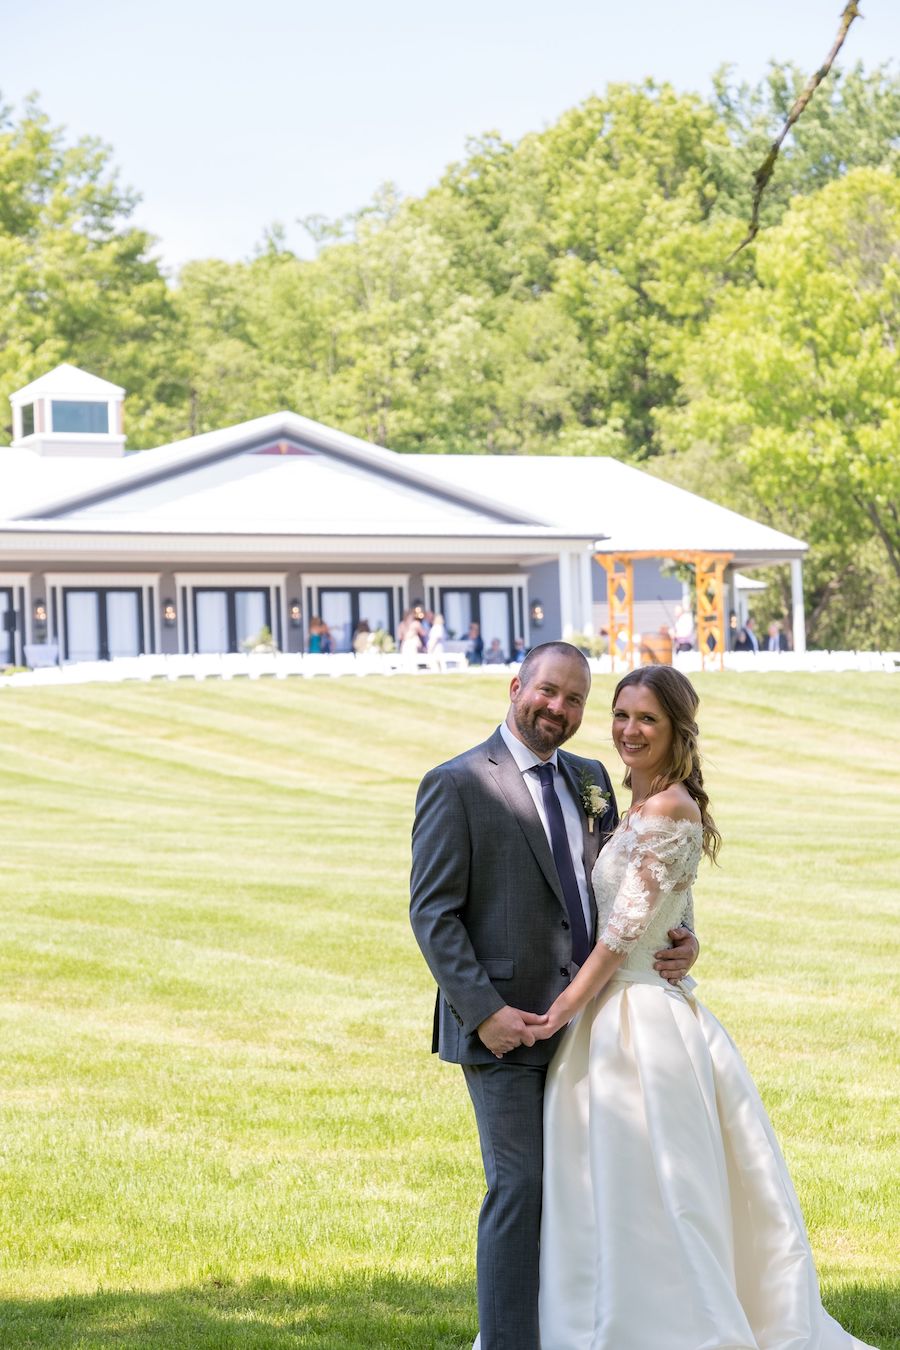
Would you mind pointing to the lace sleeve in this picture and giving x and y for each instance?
(656, 866)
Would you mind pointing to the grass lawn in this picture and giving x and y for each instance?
(221, 1126)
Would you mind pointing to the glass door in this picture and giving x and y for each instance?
(226, 618)
(337, 613)
(456, 607)
(211, 621)
(488, 606)
(103, 624)
(495, 608)
(7, 627)
(123, 624)
(344, 610)
(251, 615)
(376, 608)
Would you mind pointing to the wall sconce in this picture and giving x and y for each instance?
(295, 613)
(170, 616)
(40, 612)
(537, 614)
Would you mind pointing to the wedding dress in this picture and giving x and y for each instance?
(669, 1218)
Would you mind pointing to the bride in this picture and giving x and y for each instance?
(669, 1219)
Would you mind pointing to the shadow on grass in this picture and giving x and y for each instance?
(359, 1312)
(871, 1312)
(374, 1312)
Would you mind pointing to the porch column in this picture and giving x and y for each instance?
(587, 594)
(566, 607)
(798, 616)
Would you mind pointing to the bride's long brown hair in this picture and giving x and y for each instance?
(679, 701)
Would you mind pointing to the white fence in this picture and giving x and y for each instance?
(281, 665)
(783, 662)
(228, 666)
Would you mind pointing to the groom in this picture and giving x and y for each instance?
(503, 910)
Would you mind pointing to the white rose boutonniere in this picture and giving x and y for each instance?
(593, 798)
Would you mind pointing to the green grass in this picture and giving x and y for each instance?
(219, 1121)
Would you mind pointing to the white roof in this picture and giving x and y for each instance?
(29, 482)
(742, 583)
(277, 474)
(286, 474)
(627, 509)
(67, 381)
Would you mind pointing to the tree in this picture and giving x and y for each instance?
(77, 283)
(796, 376)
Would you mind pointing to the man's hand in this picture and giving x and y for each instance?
(674, 962)
(508, 1028)
(554, 1021)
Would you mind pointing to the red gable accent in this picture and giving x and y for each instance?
(283, 448)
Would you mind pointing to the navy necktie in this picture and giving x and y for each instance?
(559, 843)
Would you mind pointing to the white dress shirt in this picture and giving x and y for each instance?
(572, 814)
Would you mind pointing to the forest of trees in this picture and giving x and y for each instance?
(566, 294)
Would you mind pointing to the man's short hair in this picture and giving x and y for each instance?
(526, 669)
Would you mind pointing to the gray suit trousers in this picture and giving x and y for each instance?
(509, 1099)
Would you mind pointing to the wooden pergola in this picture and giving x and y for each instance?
(711, 620)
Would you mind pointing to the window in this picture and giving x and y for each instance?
(82, 418)
(28, 419)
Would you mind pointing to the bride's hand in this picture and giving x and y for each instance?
(555, 1021)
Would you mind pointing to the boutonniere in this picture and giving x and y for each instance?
(593, 798)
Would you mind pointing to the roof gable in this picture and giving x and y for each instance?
(276, 472)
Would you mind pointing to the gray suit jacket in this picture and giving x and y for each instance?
(486, 904)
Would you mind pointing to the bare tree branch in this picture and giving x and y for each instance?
(764, 172)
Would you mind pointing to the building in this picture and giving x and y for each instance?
(198, 545)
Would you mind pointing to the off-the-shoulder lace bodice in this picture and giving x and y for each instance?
(642, 881)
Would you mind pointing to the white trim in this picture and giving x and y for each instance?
(255, 579)
(469, 579)
(512, 548)
(566, 597)
(102, 578)
(586, 593)
(355, 579)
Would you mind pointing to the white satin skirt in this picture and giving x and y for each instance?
(669, 1218)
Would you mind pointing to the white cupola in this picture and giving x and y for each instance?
(69, 412)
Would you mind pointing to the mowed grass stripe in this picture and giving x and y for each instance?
(220, 1125)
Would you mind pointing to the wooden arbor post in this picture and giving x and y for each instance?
(712, 629)
(619, 571)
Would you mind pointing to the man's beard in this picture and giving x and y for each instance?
(540, 734)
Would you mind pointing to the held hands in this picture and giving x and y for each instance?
(508, 1028)
(674, 962)
(553, 1021)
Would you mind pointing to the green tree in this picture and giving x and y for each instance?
(795, 379)
(77, 283)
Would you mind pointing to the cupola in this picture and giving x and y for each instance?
(69, 412)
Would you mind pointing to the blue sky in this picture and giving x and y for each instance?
(229, 115)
